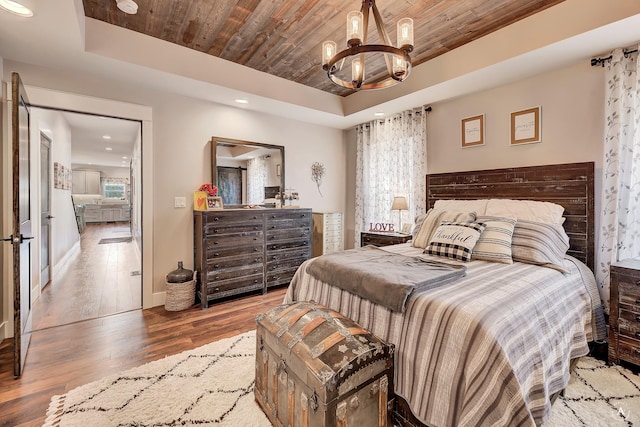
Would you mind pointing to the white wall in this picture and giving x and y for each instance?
(182, 128)
(572, 101)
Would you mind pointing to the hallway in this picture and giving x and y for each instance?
(99, 280)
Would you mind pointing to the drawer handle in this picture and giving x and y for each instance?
(216, 289)
(637, 334)
(637, 318)
(216, 219)
(216, 231)
(216, 254)
(215, 242)
(638, 283)
(255, 249)
(255, 217)
(216, 266)
(255, 238)
(255, 281)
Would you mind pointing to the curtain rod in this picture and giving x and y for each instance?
(601, 61)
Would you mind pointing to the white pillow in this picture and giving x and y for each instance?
(478, 206)
(529, 210)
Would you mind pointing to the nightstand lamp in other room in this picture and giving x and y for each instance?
(399, 204)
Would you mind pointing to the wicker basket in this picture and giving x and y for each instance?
(180, 296)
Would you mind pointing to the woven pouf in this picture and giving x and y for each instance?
(180, 296)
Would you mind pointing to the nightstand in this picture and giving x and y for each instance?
(383, 239)
(624, 312)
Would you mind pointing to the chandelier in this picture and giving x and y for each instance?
(397, 59)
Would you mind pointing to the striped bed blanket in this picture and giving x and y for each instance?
(489, 349)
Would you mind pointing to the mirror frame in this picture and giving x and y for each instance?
(214, 157)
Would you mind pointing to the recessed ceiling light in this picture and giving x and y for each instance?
(16, 8)
(378, 114)
(242, 101)
(108, 148)
(106, 136)
(124, 157)
(127, 6)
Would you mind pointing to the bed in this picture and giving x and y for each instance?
(493, 347)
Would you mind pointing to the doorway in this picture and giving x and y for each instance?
(94, 263)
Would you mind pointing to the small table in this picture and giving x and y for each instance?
(624, 312)
(383, 239)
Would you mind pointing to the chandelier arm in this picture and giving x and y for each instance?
(365, 21)
(382, 33)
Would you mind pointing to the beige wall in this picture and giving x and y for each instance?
(182, 128)
(572, 101)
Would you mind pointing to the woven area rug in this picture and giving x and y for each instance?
(213, 385)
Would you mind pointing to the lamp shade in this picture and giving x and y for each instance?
(400, 204)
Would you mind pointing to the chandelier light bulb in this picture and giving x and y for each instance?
(355, 30)
(357, 71)
(405, 34)
(399, 67)
(329, 49)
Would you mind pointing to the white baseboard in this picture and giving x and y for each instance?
(5, 331)
(60, 265)
(159, 298)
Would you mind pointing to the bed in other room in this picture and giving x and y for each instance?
(493, 347)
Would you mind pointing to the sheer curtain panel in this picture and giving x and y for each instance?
(390, 161)
(257, 179)
(619, 230)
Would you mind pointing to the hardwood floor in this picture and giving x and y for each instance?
(100, 280)
(64, 357)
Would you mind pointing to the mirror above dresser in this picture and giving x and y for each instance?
(247, 173)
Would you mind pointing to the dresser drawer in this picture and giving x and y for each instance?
(231, 228)
(287, 215)
(225, 288)
(278, 278)
(241, 239)
(217, 251)
(281, 255)
(232, 273)
(291, 244)
(629, 349)
(288, 233)
(223, 263)
(235, 217)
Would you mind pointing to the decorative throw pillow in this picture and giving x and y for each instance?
(455, 240)
(433, 220)
(494, 243)
(540, 244)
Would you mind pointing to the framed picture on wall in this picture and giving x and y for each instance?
(525, 126)
(473, 131)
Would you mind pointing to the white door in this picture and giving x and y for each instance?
(45, 210)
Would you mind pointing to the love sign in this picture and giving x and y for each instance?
(381, 227)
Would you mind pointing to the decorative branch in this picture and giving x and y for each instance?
(317, 172)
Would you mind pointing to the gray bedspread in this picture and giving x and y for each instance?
(383, 277)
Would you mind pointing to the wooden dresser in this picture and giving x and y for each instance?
(624, 312)
(327, 233)
(243, 250)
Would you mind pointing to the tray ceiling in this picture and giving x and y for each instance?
(284, 37)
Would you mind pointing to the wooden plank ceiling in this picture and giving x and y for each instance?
(284, 37)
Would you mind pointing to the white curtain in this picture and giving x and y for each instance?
(257, 179)
(391, 161)
(619, 230)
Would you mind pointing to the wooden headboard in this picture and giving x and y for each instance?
(569, 185)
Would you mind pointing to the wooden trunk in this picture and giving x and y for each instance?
(317, 368)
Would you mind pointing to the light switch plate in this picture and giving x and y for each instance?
(180, 202)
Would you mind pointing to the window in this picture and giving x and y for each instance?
(114, 191)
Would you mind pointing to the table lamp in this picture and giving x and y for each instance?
(399, 204)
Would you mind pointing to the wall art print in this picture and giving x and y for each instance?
(525, 126)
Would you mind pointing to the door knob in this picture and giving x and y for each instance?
(50, 216)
